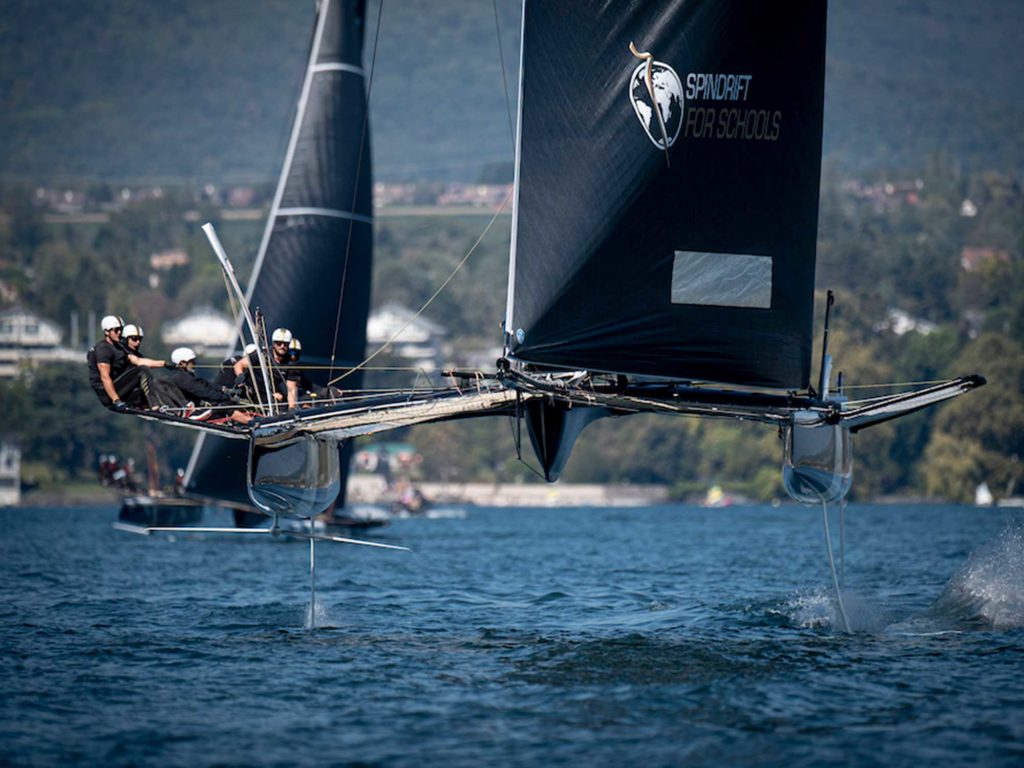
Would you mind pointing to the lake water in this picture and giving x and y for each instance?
(654, 636)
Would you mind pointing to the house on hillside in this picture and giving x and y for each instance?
(27, 339)
(205, 330)
(901, 322)
(973, 257)
(489, 195)
(410, 336)
(161, 261)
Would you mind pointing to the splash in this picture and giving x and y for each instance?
(811, 610)
(817, 608)
(318, 616)
(988, 591)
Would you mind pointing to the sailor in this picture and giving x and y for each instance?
(117, 383)
(131, 340)
(197, 390)
(298, 382)
(278, 359)
(305, 388)
(225, 378)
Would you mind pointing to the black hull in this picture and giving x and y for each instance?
(147, 511)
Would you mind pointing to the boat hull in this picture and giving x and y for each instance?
(147, 511)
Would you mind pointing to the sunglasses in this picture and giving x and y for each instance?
(116, 330)
(133, 338)
(280, 343)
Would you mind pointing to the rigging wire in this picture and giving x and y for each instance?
(429, 301)
(517, 438)
(504, 78)
(928, 382)
(355, 185)
(236, 312)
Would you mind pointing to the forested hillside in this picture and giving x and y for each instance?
(205, 90)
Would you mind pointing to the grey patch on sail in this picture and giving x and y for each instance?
(722, 279)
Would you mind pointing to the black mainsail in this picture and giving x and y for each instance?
(313, 270)
(693, 260)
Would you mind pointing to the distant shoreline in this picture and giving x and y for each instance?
(367, 490)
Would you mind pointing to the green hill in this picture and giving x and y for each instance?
(205, 90)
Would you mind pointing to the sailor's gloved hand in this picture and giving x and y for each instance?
(233, 392)
(120, 405)
(170, 364)
(240, 380)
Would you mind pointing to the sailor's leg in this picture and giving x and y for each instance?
(168, 394)
(148, 386)
(129, 387)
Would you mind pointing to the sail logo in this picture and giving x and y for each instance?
(656, 93)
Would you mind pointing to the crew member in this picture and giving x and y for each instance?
(225, 378)
(198, 390)
(117, 383)
(132, 337)
(304, 386)
(283, 389)
(294, 374)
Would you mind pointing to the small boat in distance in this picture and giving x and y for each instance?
(716, 498)
(153, 505)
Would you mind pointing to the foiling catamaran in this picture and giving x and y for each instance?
(668, 157)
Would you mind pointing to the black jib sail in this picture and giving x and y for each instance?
(667, 176)
(312, 273)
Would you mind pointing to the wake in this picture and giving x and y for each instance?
(985, 594)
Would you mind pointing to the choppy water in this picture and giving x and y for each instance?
(657, 636)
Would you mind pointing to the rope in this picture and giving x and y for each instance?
(436, 293)
(504, 79)
(517, 440)
(235, 314)
(896, 384)
(405, 368)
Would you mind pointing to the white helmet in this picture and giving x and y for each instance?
(110, 322)
(281, 334)
(295, 346)
(182, 355)
(133, 330)
(249, 349)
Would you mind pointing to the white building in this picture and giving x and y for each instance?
(901, 322)
(27, 339)
(414, 338)
(205, 330)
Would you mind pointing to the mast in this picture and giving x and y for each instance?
(313, 270)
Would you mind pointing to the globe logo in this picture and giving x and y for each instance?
(668, 100)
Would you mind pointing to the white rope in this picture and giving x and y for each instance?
(429, 301)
